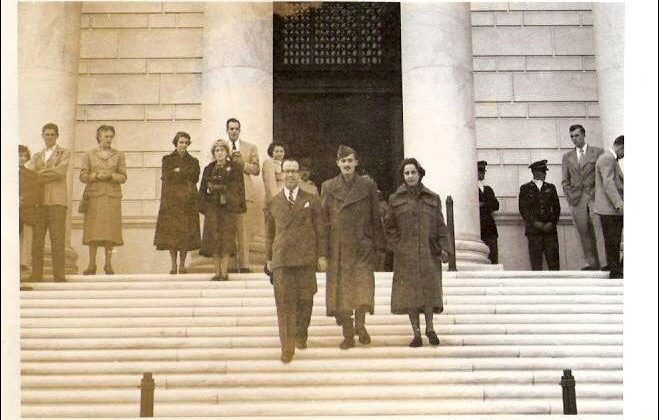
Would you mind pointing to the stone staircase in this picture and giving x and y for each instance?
(214, 351)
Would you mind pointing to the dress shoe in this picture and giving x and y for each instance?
(172, 271)
(301, 343)
(61, 280)
(416, 342)
(605, 268)
(589, 268)
(224, 277)
(182, 270)
(364, 338)
(108, 269)
(245, 270)
(216, 277)
(286, 357)
(347, 343)
(432, 337)
(90, 270)
(24, 288)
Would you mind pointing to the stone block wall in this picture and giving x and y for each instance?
(534, 76)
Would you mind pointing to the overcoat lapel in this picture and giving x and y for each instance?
(356, 193)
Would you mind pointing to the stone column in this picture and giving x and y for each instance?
(609, 26)
(237, 82)
(438, 112)
(48, 54)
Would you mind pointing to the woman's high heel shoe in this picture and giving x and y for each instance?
(89, 270)
(108, 269)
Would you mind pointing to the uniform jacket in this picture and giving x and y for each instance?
(296, 235)
(251, 167)
(30, 193)
(609, 186)
(579, 177)
(491, 204)
(53, 175)
(417, 233)
(539, 205)
(96, 161)
(227, 181)
(355, 234)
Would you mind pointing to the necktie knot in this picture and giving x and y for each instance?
(233, 146)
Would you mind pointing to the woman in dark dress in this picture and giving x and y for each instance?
(419, 239)
(177, 228)
(222, 198)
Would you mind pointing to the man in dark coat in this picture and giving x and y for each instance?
(540, 209)
(350, 209)
(488, 204)
(30, 197)
(295, 244)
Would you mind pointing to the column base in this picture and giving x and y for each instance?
(472, 254)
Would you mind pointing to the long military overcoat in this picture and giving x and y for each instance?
(417, 233)
(355, 235)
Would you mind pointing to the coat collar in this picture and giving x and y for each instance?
(111, 152)
(360, 189)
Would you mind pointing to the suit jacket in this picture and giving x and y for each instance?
(30, 193)
(53, 175)
(539, 205)
(490, 204)
(609, 186)
(579, 177)
(251, 167)
(296, 235)
(96, 161)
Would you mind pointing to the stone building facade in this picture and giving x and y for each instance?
(494, 81)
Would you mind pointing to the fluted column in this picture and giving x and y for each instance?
(48, 54)
(438, 112)
(237, 82)
(609, 29)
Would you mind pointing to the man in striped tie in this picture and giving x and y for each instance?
(295, 246)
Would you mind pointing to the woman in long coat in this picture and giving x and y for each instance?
(419, 238)
(350, 209)
(222, 199)
(177, 227)
(103, 171)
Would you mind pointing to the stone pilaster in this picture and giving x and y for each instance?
(48, 53)
(609, 29)
(438, 112)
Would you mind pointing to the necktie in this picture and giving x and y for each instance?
(291, 199)
(233, 147)
(579, 154)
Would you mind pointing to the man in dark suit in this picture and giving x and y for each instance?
(30, 197)
(609, 203)
(52, 165)
(540, 209)
(295, 245)
(488, 204)
(579, 188)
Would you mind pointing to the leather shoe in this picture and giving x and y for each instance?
(364, 338)
(605, 268)
(89, 270)
(216, 278)
(182, 270)
(416, 342)
(432, 337)
(347, 343)
(589, 268)
(108, 269)
(286, 357)
(172, 271)
(301, 343)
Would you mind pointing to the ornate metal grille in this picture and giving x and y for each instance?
(323, 36)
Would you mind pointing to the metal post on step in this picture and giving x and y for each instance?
(569, 392)
(452, 266)
(147, 387)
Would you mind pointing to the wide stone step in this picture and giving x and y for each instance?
(313, 341)
(288, 378)
(343, 392)
(520, 320)
(255, 302)
(449, 291)
(303, 364)
(336, 408)
(318, 310)
(401, 328)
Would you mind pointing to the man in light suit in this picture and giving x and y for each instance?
(52, 165)
(295, 245)
(248, 153)
(609, 203)
(579, 188)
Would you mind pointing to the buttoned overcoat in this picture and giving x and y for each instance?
(350, 211)
(417, 233)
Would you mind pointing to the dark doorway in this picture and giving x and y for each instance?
(337, 81)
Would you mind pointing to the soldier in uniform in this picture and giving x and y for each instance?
(488, 204)
(540, 209)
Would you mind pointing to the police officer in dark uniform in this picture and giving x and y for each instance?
(540, 209)
(488, 204)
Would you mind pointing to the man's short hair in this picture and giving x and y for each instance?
(577, 126)
(24, 150)
(290, 160)
(619, 141)
(50, 126)
(234, 120)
